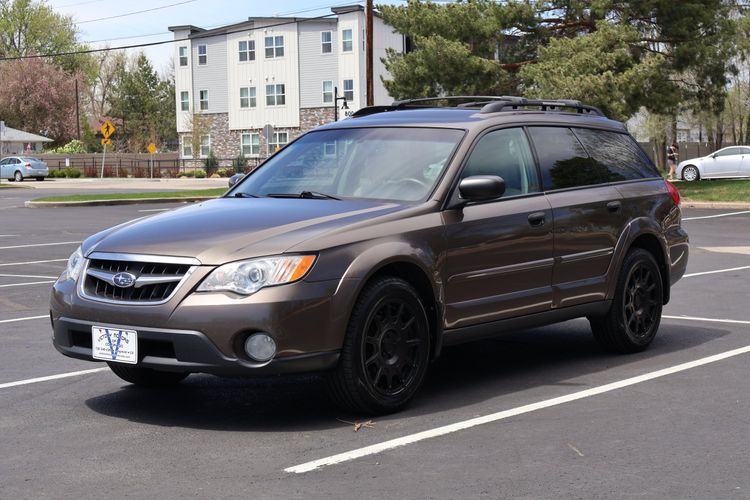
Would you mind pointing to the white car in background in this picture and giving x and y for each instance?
(733, 161)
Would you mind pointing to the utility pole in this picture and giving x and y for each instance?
(78, 119)
(369, 29)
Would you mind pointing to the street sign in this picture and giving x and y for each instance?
(106, 142)
(152, 148)
(268, 131)
(107, 129)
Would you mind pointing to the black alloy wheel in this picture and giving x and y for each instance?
(633, 319)
(386, 350)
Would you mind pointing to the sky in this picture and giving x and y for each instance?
(152, 26)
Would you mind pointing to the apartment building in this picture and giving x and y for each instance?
(232, 81)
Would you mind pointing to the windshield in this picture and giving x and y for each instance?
(400, 164)
(29, 158)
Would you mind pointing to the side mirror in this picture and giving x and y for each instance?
(481, 187)
(235, 178)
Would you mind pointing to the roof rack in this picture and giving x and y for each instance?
(487, 104)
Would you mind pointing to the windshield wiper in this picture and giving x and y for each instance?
(240, 194)
(312, 195)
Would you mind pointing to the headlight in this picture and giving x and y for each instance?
(75, 265)
(249, 276)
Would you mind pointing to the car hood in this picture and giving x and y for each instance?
(229, 229)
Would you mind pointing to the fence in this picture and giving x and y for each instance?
(137, 165)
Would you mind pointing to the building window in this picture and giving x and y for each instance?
(347, 43)
(183, 56)
(205, 145)
(349, 90)
(247, 97)
(274, 46)
(202, 55)
(187, 146)
(278, 141)
(275, 95)
(327, 92)
(185, 101)
(250, 144)
(203, 98)
(326, 42)
(247, 50)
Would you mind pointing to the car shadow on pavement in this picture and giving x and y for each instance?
(465, 375)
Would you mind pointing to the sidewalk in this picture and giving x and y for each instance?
(130, 184)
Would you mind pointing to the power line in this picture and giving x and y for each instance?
(136, 12)
(161, 42)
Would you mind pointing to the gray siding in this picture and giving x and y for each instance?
(212, 76)
(314, 65)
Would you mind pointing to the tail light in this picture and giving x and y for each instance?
(673, 192)
(27, 164)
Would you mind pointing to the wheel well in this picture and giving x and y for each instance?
(414, 275)
(691, 165)
(649, 243)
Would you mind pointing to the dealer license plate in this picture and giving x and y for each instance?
(114, 344)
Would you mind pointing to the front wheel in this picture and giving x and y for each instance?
(633, 319)
(386, 350)
(146, 377)
(690, 173)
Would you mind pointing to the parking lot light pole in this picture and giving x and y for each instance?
(336, 100)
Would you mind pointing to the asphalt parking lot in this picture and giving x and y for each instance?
(534, 414)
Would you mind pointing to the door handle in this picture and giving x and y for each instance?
(614, 206)
(537, 219)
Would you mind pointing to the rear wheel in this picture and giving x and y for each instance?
(386, 350)
(633, 319)
(690, 173)
(146, 377)
(18, 177)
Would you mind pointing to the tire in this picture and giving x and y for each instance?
(146, 377)
(18, 176)
(40, 179)
(690, 174)
(634, 316)
(386, 350)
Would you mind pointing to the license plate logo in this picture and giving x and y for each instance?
(114, 344)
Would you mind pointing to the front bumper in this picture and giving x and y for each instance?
(184, 351)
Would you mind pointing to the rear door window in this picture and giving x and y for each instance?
(618, 153)
(505, 153)
(563, 160)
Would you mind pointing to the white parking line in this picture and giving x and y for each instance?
(23, 319)
(11, 285)
(717, 215)
(41, 245)
(51, 377)
(494, 417)
(690, 275)
(32, 262)
(710, 320)
(27, 276)
(7, 235)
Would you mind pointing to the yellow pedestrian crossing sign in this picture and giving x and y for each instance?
(107, 129)
(106, 142)
(152, 148)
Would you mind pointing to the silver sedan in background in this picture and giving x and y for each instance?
(17, 168)
(733, 161)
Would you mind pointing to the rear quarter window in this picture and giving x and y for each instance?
(618, 153)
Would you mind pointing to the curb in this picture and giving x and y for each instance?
(715, 204)
(100, 203)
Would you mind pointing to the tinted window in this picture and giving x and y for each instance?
(745, 151)
(563, 160)
(619, 153)
(728, 152)
(505, 153)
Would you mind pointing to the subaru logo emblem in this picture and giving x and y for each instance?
(123, 280)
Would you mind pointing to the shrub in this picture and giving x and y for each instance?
(55, 173)
(210, 164)
(227, 172)
(122, 172)
(72, 173)
(239, 165)
(90, 171)
(187, 173)
(74, 146)
(200, 174)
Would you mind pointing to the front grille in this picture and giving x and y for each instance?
(155, 282)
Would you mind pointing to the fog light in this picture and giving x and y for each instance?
(260, 347)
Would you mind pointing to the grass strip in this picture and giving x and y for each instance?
(716, 190)
(135, 196)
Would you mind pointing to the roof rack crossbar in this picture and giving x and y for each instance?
(544, 105)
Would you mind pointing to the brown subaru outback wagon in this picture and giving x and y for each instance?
(366, 245)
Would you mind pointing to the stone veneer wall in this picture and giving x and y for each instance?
(226, 145)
